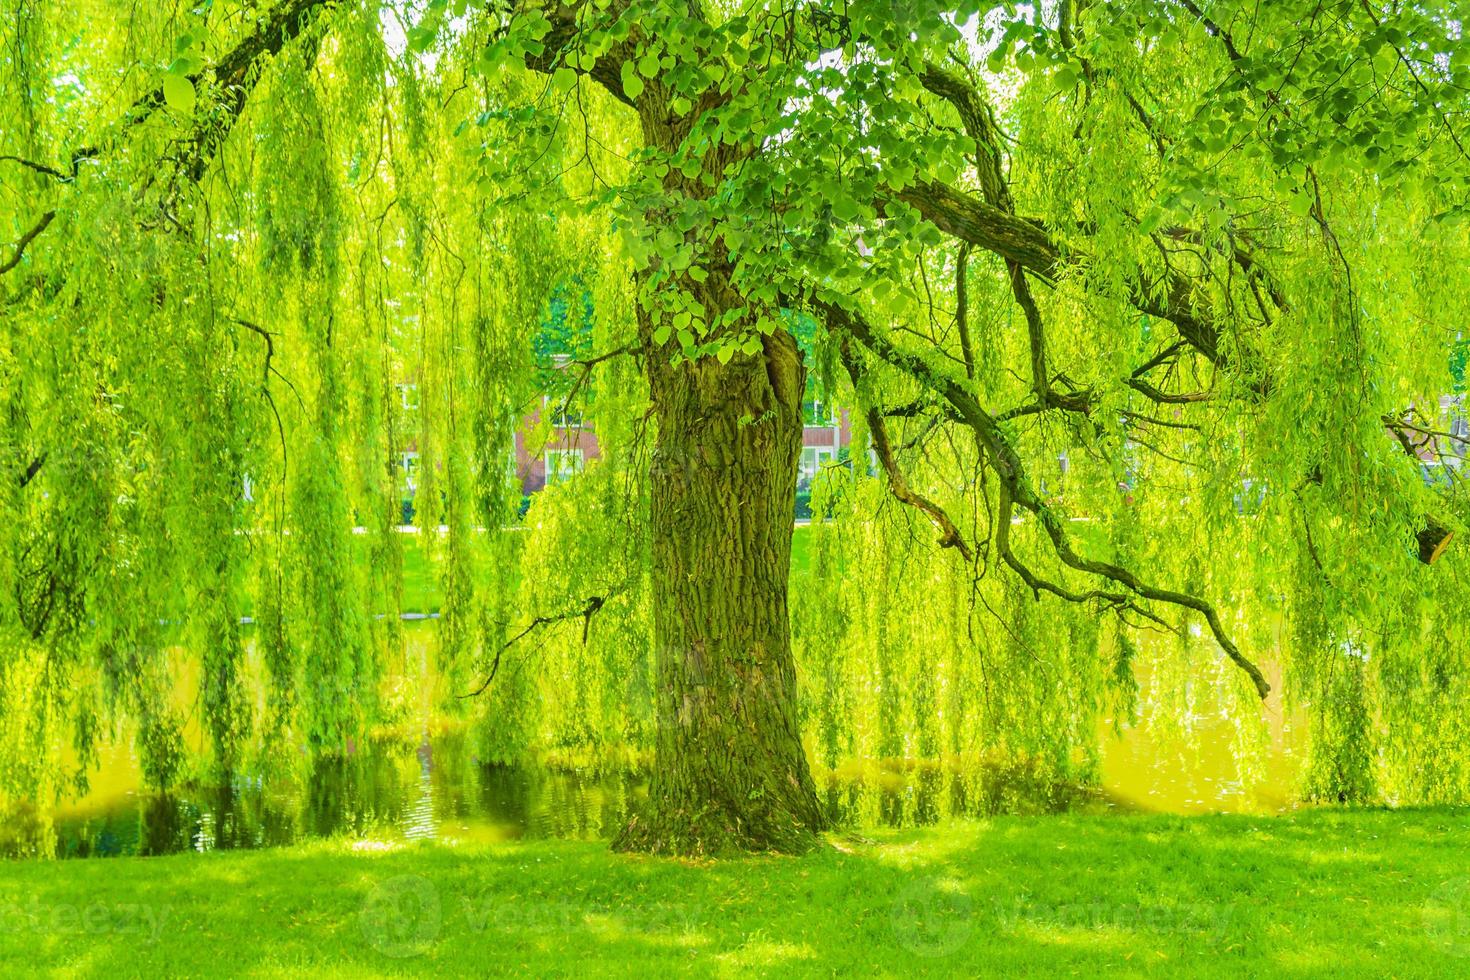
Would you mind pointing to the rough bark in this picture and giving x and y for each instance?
(730, 773)
(1029, 246)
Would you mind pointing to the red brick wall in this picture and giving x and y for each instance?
(531, 448)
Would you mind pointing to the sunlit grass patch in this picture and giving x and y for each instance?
(1358, 893)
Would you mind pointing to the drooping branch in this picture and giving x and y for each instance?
(1402, 425)
(962, 308)
(585, 613)
(265, 387)
(40, 168)
(1036, 583)
(1006, 463)
(898, 484)
(31, 470)
(586, 364)
(951, 536)
(25, 240)
(1213, 29)
(1069, 31)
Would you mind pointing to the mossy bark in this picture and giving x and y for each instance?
(730, 771)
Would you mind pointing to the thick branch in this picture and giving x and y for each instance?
(606, 71)
(979, 122)
(232, 72)
(1006, 463)
(235, 75)
(41, 168)
(1028, 245)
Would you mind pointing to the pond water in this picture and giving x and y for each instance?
(395, 791)
(433, 787)
(389, 792)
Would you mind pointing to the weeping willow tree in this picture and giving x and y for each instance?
(1144, 310)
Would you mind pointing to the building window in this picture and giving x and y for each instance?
(408, 397)
(817, 412)
(562, 464)
(813, 458)
(410, 463)
(564, 415)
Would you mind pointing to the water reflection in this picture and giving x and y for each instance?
(385, 791)
(392, 792)
(918, 794)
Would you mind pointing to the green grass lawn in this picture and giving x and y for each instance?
(1365, 893)
(422, 593)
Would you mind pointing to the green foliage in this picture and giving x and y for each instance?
(238, 274)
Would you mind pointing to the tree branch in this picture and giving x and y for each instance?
(898, 484)
(31, 470)
(593, 604)
(25, 240)
(39, 168)
(1006, 463)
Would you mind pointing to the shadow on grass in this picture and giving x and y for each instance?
(1356, 893)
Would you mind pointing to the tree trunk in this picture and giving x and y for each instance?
(730, 772)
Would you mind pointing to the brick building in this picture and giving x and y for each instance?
(572, 443)
(562, 453)
(543, 456)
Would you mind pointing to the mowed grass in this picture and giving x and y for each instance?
(1319, 893)
(422, 592)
